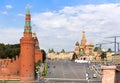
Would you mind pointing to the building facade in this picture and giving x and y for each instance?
(84, 48)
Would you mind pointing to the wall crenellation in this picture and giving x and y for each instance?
(10, 67)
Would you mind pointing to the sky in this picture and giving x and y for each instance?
(59, 23)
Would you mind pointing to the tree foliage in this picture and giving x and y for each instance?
(62, 51)
(109, 50)
(43, 55)
(51, 51)
(95, 49)
(74, 56)
(103, 55)
(9, 51)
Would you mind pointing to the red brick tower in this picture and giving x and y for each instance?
(38, 54)
(27, 51)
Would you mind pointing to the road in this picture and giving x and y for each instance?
(61, 71)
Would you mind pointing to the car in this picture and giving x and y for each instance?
(94, 75)
(81, 61)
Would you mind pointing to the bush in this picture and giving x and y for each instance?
(44, 73)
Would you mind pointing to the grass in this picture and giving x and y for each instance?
(9, 81)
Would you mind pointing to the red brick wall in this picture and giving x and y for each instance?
(11, 70)
(38, 55)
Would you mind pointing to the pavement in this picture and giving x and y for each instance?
(68, 71)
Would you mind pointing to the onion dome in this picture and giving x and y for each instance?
(77, 43)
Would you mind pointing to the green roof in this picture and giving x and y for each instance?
(27, 30)
(27, 23)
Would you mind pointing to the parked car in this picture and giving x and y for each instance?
(94, 75)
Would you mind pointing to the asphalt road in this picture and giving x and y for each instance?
(61, 71)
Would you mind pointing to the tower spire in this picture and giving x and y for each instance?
(28, 9)
(83, 41)
(27, 27)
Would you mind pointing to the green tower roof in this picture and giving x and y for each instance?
(28, 9)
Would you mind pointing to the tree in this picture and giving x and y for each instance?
(96, 48)
(2, 54)
(43, 55)
(74, 56)
(103, 55)
(51, 51)
(109, 50)
(9, 51)
(62, 51)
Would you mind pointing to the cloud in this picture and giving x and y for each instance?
(98, 21)
(21, 15)
(4, 12)
(10, 35)
(62, 28)
(8, 6)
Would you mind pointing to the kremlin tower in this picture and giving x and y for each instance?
(27, 52)
(38, 54)
(22, 67)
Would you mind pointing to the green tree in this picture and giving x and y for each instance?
(2, 54)
(74, 56)
(43, 55)
(109, 50)
(51, 51)
(62, 51)
(103, 55)
(96, 48)
(9, 51)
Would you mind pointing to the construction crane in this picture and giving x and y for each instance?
(118, 43)
(115, 38)
(100, 44)
(114, 42)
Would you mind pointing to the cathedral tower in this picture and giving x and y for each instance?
(27, 51)
(83, 42)
(77, 48)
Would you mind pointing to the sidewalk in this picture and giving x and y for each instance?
(42, 67)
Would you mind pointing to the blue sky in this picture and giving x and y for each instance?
(59, 23)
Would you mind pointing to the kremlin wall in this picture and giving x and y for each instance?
(22, 67)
